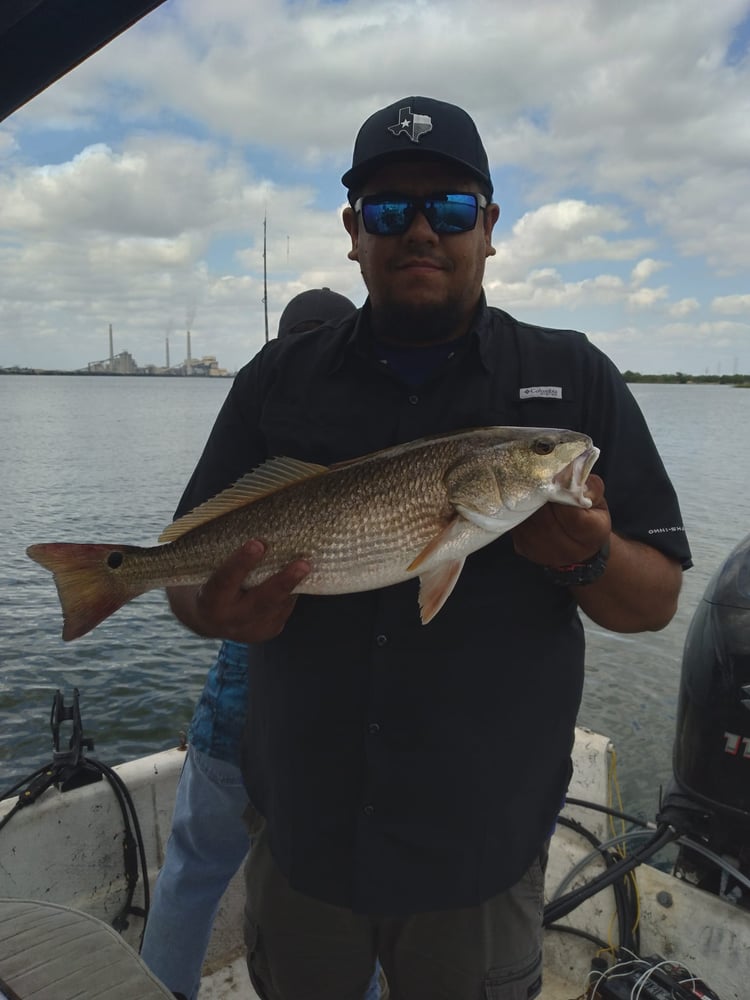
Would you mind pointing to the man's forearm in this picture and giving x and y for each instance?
(638, 591)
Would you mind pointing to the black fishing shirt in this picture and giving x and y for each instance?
(404, 767)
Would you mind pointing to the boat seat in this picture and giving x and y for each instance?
(52, 952)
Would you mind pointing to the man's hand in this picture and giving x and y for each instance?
(639, 589)
(558, 535)
(220, 608)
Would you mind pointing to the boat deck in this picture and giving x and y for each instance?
(67, 848)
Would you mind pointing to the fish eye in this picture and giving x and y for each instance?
(114, 560)
(543, 446)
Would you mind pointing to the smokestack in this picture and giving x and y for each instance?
(111, 348)
(167, 339)
(189, 355)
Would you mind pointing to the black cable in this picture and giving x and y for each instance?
(625, 904)
(573, 824)
(36, 783)
(132, 841)
(6, 818)
(133, 845)
(564, 929)
(24, 781)
(562, 906)
(609, 812)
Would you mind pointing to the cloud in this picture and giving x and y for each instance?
(566, 231)
(646, 298)
(683, 307)
(155, 187)
(731, 304)
(645, 269)
(546, 289)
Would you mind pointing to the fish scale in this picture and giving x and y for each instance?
(417, 509)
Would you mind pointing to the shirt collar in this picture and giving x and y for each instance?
(357, 344)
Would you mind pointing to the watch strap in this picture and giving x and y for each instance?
(579, 574)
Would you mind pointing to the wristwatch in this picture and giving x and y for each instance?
(579, 574)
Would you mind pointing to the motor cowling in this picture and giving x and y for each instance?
(710, 793)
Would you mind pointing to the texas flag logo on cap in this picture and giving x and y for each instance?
(414, 126)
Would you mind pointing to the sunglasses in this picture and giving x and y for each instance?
(392, 214)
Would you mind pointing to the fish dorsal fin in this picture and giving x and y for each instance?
(272, 475)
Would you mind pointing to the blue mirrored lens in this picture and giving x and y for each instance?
(391, 215)
(452, 213)
(387, 218)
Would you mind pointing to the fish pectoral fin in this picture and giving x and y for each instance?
(437, 548)
(436, 586)
(269, 477)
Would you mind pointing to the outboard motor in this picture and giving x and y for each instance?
(709, 799)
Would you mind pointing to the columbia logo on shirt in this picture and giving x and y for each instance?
(540, 392)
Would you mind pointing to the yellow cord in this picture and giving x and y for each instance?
(614, 800)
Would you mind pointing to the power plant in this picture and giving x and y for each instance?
(125, 364)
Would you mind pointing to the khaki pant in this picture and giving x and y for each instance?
(299, 948)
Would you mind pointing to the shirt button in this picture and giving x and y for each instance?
(413, 400)
(373, 729)
(368, 810)
(381, 640)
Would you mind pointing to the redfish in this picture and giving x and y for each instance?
(416, 509)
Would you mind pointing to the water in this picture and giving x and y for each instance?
(106, 459)
(95, 459)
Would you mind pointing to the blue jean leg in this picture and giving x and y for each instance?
(208, 843)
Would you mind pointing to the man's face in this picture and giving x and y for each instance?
(423, 274)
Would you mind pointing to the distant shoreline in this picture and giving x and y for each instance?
(87, 374)
(634, 378)
(680, 378)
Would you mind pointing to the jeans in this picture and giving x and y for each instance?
(207, 845)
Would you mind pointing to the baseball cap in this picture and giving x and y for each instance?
(315, 306)
(418, 126)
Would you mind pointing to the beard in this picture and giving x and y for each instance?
(415, 324)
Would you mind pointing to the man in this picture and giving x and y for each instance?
(404, 779)
(312, 309)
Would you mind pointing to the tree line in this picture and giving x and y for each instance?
(680, 378)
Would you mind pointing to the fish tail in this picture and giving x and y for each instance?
(87, 584)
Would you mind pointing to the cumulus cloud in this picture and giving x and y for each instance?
(646, 298)
(683, 307)
(645, 269)
(731, 304)
(157, 187)
(546, 289)
(569, 230)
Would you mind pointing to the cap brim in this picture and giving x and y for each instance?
(356, 176)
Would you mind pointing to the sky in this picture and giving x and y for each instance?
(133, 192)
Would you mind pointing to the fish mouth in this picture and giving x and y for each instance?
(573, 477)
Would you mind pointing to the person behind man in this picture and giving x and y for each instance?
(404, 779)
(209, 839)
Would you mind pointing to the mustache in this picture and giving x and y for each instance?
(434, 260)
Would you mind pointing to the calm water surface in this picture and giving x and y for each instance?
(106, 459)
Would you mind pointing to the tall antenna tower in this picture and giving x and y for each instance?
(265, 277)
